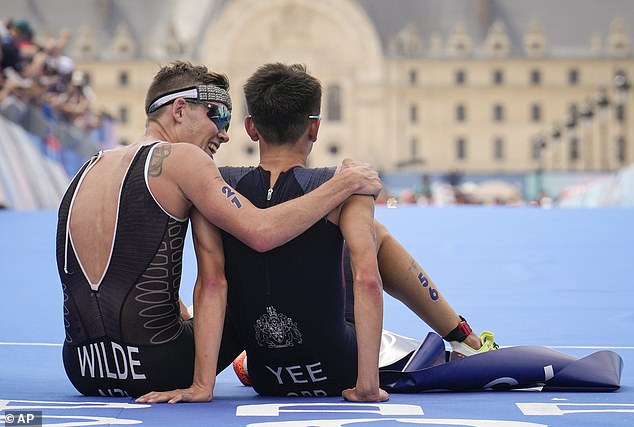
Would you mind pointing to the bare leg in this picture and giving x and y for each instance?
(406, 281)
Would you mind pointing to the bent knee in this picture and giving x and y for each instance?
(381, 232)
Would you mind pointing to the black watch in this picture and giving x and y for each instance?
(460, 333)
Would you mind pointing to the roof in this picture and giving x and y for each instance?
(568, 25)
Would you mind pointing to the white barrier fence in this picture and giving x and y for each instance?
(28, 179)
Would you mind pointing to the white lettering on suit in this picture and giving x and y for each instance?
(298, 374)
(115, 361)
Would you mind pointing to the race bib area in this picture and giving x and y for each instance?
(554, 285)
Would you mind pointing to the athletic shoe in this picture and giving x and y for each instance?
(240, 368)
(460, 349)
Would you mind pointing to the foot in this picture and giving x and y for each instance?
(461, 349)
(240, 368)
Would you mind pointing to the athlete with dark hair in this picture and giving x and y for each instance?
(288, 305)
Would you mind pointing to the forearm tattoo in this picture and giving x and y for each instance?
(160, 153)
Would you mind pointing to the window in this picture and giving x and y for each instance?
(413, 77)
(413, 148)
(460, 77)
(538, 145)
(620, 113)
(413, 114)
(123, 115)
(333, 95)
(536, 77)
(461, 113)
(573, 77)
(461, 149)
(536, 113)
(620, 149)
(124, 78)
(498, 113)
(574, 149)
(498, 77)
(573, 110)
(498, 149)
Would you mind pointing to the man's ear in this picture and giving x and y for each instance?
(313, 129)
(177, 108)
(252, 131)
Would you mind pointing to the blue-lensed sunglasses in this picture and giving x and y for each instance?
(219, 114)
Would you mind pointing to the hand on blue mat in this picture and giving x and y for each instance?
(195, 393)
(354, 395)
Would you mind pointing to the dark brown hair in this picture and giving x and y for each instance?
(179, 75)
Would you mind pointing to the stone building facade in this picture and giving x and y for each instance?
(433, 86)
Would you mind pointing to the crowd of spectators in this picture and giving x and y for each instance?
(36, 76)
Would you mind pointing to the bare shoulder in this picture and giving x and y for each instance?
(176, 156)
(167, 149)
(190, 152)
(178, 148)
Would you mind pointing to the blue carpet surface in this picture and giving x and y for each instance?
(561, 278)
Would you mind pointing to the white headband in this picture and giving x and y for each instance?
(202, 93)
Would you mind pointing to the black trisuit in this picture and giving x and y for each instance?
(124, 335)
(287, 304)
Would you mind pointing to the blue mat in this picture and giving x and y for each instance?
(559, 278)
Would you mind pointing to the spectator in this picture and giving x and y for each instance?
(37, 76)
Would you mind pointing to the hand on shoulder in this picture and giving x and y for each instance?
(363, 177)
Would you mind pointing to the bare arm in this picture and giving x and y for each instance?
(263, 229)
(210, 300)
(357, 225)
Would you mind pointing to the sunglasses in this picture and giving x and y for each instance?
(219, 114)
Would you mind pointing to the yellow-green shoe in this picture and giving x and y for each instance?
(460, 349)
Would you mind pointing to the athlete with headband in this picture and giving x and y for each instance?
(121, 228)
(304, 336)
